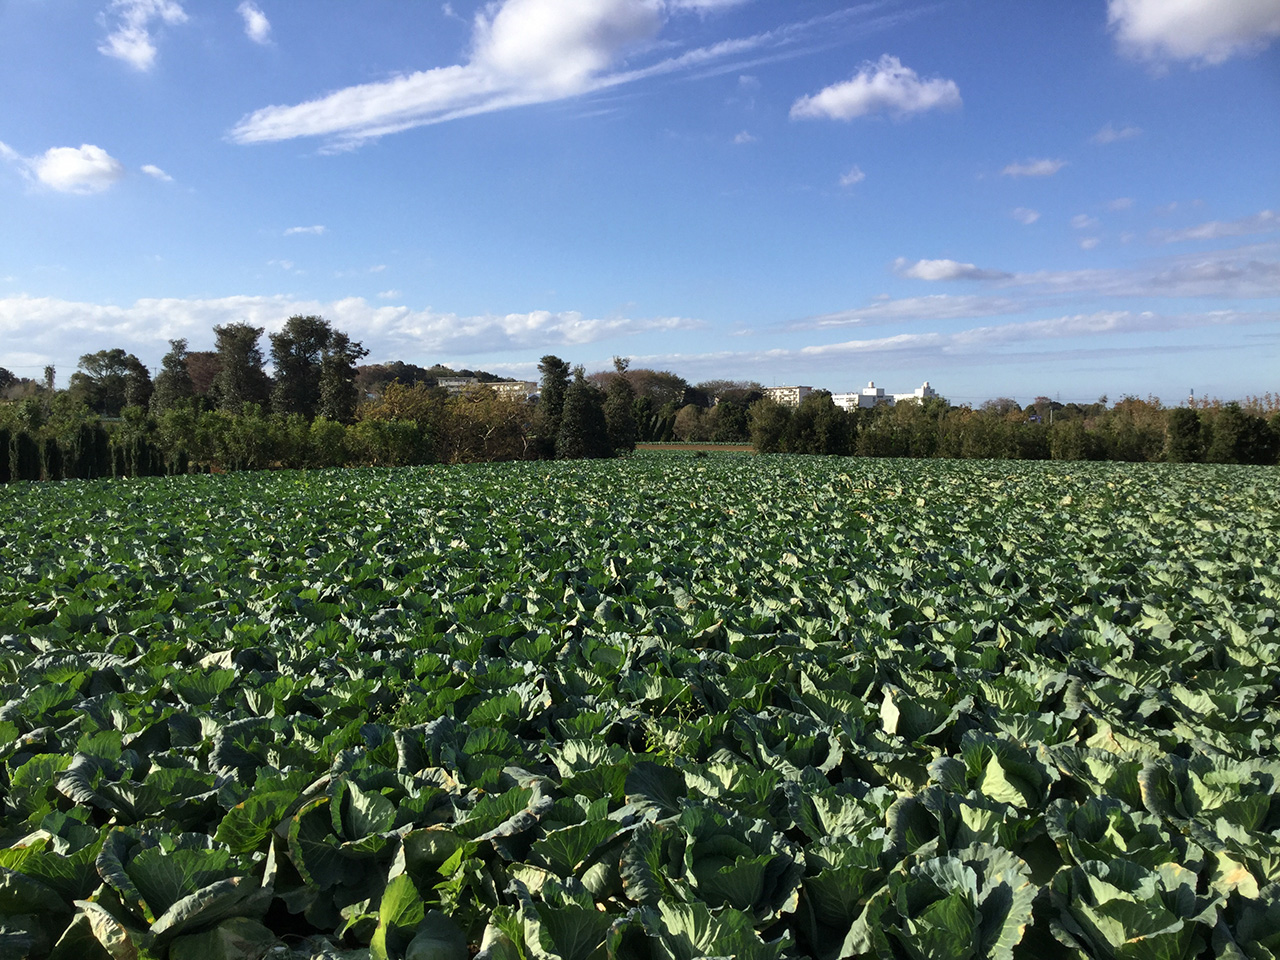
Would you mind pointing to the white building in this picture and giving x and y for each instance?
(921, 393)
(787, 396)
(515, 389)
(873, 396)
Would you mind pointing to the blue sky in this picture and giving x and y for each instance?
(1001, 197)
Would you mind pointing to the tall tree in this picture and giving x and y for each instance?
(1183, 440)
(315, 369)
(551, 396)
(338, 394)
(110, 380)
(173, 382)
(619, 408)
(240, 378)
(296, 354)
(583, 432)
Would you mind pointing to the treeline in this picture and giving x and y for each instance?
(1132, 430)
(220, 410)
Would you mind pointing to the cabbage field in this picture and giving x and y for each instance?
(668, 706)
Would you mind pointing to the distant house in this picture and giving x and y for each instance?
(787, 396)
(515, 389)
(456, 385)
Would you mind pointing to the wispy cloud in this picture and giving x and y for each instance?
(936, 307)
(1025, 215)
(1033, 168)
(936, 270)
(84, 169)
(882, 87)
(1264, 222)
(851, 176)
(1251, 272)
(1094, 336)
(256, 25)
(317, 230)
(131, 24)
(49, 325)
(151, 170)
(1082, 221)
(1202, 32)
(744, 138)
(1111, 133)
(523, 52)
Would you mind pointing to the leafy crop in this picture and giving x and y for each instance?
(664, 707)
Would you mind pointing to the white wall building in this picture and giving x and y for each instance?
(787, 396)
(873, 396)
(921, 393)
(515, 389)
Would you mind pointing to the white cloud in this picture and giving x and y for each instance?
(704, 6)
(83, 169)
(1025, 215)
(317, 230)
(743, 138)
(151, 170)
(883, 87)
(1242, 273)
(938, 306)
(256, 25)
(1082, 221)
(1203, 32)
(1088, 243)
(526, 52)
(983, 345)
(1120, 203)
(853, 175)
(1034, 168)
(388, 294)
(131, 22)
(1264, 222)
(1111, 133)
(523, 52)
(936, 270)
(61, 327)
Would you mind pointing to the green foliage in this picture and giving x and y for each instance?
(240, 378)
(727, 706)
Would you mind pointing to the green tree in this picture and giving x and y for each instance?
(583, 432)
(1240, 437)
(240, 378)
(552, 391)
(619, 408)
(110, 380)
(339, 396)
(1184, 442)
(296, 354)
(768, 423)
(173, 382)
(689, 424)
